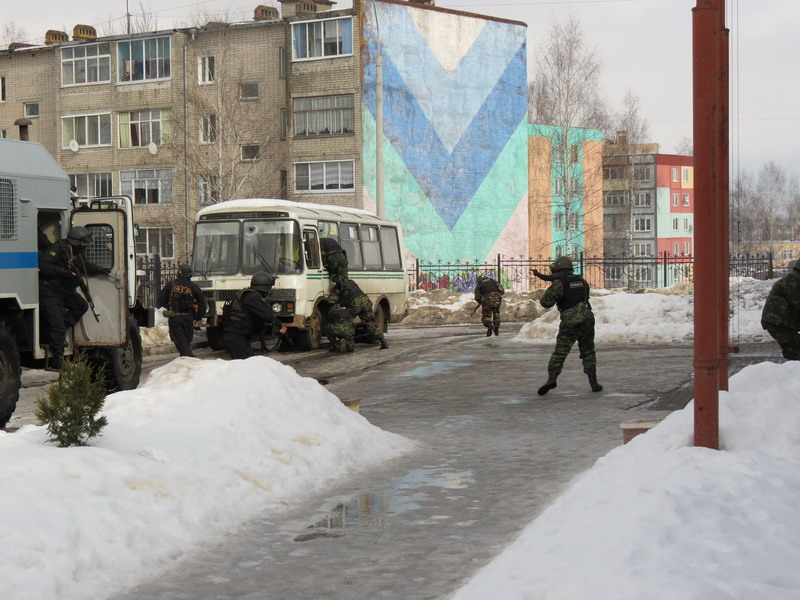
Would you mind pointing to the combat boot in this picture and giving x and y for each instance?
(549, 384)
(497, 329)
(596, 387)
(488, 330)
(384, 343)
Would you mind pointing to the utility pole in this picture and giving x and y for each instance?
(379, 201)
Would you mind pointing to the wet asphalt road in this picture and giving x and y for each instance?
(492, 455)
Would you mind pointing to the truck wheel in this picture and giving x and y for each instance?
(380, 319)
(312, 336)
(214, 336)
(122, 367)
(10, 376)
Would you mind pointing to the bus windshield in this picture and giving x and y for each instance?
(216, 248)
(273, 246)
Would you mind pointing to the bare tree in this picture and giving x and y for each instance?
(565, 106)
(11, 32)
(773, 201)
(141, 21)
(744, 211)
(684, 147)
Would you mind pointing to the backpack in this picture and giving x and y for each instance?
(228, 307)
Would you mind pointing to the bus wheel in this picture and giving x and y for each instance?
(122, 367)
(214, 336)
(380, 319)
(10, 376)
(312, 336)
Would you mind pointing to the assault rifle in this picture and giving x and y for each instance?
(86, 294)
(474, 310)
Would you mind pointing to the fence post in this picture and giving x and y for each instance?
(771, 267)
(157, 274)
(498, 267)
(583, 270)
(666, 284)
(416, 274)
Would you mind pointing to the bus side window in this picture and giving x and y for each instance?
(390, 246)
(329, 229)
(371, 247)
(349, 242)
(311, 246)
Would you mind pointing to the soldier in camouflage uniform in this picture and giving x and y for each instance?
(334, 259)
(340, 330)
(571, 294)
(781, 313)
(489, 294)
(351, 297)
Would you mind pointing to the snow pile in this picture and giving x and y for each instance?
(200, 447)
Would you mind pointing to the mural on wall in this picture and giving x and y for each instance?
(455, 129)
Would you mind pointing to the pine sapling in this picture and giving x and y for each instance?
(71, 405)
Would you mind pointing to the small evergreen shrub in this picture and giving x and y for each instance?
(71, 405)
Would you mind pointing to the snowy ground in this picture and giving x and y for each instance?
(656, 518)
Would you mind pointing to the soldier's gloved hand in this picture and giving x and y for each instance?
(283, 330)
(537, 273)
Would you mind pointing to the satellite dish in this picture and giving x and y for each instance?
(73, 145)
(152, 148)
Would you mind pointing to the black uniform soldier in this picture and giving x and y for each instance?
(571, 294)
(62, 269)
(489, 294)
(351, 297)
(249, 313)
(334, 259)
(340, 330)
(781, 313)
(185, 303)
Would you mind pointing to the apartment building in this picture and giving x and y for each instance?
(675, 222)
(287, 106)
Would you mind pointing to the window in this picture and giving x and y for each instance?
(311, 248)
(143, 60)
(614, 173)
(248, 91)
(206, 69)
(643, 249)
(147, 186)
(208, 129)
(140, 127)
(685, 174)
(558, 221)
(2, 89)
(611, 223)
(559, 187)
(284, 184)
(91, 185)
(687, 248)
(87, 130)
(643, 173)
(642, 199)
(676, 248)
(615, 198)
(325, 115)
(348, 240)
(686, 223)
(209, 189)
(614, 273)
(322, 38)
(675, 224)
(321, 176)
(574, 152)
(3, 133)
(643, 274)
(155, 240)
(8, 209)
(284, 123)
(282, 63)
(390, 245)
(251, 151)
(786, 254)
(101, 246)
(641, 224)
(674, 173)
(86, 64)
(371, 246)
(686, 199)
(31, 109)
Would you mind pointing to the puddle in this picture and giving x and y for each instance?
(370, 510)
(428, 369)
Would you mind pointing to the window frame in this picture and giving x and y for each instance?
(249, 98)
(208, 187)
(314, 39)
(2, 88)
(686, 199)
(97, 182)
(255, 157)
(164, 188)
(318, 120)
(150, 124)
(25, 109)
(102, 58)
(100, 130)
(162, 61)
(326, 166)
(642, 224)
(208, 129)
(206, 69)
(145, 232)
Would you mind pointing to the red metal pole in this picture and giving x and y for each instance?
(706, 96)
(724, 208)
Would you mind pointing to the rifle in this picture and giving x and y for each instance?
(85, 289)
(474, 310)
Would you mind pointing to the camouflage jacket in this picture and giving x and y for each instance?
(579, 313)
(782, 307)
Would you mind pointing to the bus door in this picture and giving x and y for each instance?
(109, 294)
(315, 281)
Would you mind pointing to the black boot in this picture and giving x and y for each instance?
(384, 343)
(497, 329)
(596, 387)
(549, 384)
(488, 330)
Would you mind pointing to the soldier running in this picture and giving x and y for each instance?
(185, 304)
(571, 294)
(489, 294)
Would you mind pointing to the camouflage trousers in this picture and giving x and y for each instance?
(490, 314)
(788, 339)
(362, 308)
(337, 332)
(568, 334)
(336, 265)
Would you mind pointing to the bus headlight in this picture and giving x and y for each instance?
(277, 307)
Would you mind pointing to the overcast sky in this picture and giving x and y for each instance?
(644, 45)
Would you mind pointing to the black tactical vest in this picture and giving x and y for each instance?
(576, 290)
(181, 297)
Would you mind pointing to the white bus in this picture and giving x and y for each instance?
(237, 238)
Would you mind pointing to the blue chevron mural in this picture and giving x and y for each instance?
(455, 99)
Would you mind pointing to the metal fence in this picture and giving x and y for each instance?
(632, 273)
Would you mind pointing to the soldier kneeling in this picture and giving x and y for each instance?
(340, 329)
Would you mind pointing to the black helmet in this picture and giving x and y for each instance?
(262, 281)
(185, 270)
(562, 262)
(78, 236)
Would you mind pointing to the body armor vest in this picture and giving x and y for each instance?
(576, 290)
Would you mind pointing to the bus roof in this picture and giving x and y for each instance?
(301, 209)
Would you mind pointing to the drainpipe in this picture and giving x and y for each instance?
(187, 224)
